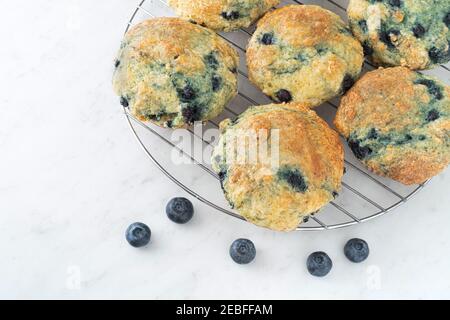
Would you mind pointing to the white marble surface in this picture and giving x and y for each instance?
(72, 178)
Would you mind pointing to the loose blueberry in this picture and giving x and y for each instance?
(368, 51)
(433, 115)
(363, 25)
(321, 50)
(216, 81)
(284, 96)
(447, 20)
(243, 251)
(319, 264)
(124, 102)
(222, 177)
(335, 194)
(347, 83)
(233, 15)
(116, 63)
(356, 250)
(138, 235)
(359, 151)
(267, 39)
(433, 88)
(419, 30)
(294, 178)
(180, 210)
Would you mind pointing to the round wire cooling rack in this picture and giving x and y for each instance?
(364, 196)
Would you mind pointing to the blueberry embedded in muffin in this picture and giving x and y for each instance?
(173, 73)
(293, 177)
(283, 96)
(397, 122)
(305, 176)
(267, 39)
(243, 251)
(303, 54)
(138, 235)
(180, 210)
(413, 34)
(222, 15)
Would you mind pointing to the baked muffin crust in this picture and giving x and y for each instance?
(397, 122)
(173, 73)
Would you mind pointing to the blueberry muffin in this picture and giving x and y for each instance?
(410, 33)
(397, 122)
(303, 54)
(173, 73)
(278, 164)
(222, 15)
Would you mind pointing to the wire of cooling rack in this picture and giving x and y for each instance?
(353, 218)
